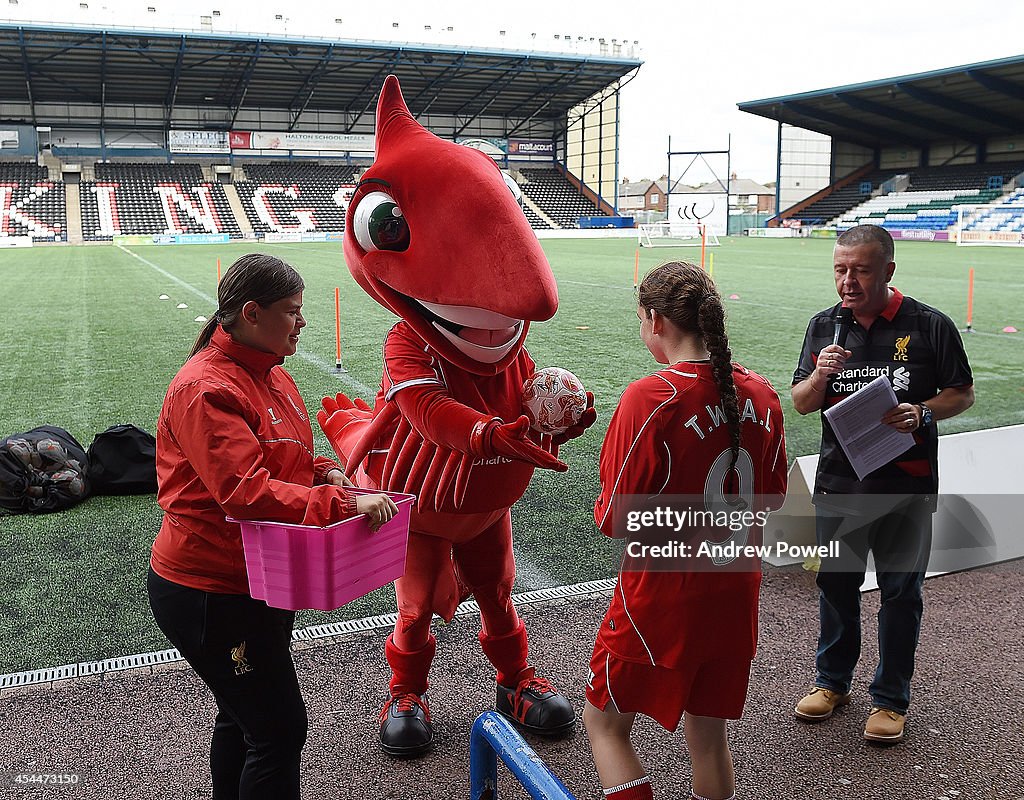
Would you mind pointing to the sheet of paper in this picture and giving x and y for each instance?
(868, 443)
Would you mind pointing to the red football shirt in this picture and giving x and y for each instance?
(668, 438)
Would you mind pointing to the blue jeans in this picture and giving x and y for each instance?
(900, 540)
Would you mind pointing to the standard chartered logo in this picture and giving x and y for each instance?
(901, 379)
(851, 380)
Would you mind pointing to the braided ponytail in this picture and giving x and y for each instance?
(685, 294)
(711, 322)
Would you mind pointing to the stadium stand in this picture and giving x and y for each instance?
(556, 197)
(843, 199)
(966, 118)
(151, 199)
(30, 203)
(927, 203)
(931, 210)
(535, 221)
(293, 196)
(965, 176)
(1004, 216)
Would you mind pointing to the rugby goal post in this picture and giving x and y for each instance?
(676, 234)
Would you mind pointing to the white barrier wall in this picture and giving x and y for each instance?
(981, 500)
(586, 233)
(773, 233)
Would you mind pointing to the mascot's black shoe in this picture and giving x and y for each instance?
(536, 707)
(405, 729)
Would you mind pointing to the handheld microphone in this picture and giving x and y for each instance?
(844, 317)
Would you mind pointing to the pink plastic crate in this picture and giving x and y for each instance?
(303, 566)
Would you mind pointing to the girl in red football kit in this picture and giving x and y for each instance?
(234, 439)
(679, 636)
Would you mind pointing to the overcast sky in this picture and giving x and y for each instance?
(700, 59)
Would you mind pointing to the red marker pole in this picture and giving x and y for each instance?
(337, 324)
(970, 299)
(636, 271)
(218, 272)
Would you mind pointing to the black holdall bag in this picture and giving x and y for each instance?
(44, 469)
(122, 460)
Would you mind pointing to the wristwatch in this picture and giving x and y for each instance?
(926, 415)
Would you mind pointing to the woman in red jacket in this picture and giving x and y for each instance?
(234, 440)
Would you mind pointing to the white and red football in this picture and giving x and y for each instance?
(553, 399)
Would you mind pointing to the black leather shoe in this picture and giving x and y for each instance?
(405, 729)
(536, 707)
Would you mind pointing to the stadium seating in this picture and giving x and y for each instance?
(928, 210)
(1004, 216)
(286, 197)
(926, 203)
(555, 196)
(535, 222)
(842, 199)
(30, 203)
(964, 176)
(150, 199)
(278, 197)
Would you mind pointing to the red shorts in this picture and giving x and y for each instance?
(704, 688)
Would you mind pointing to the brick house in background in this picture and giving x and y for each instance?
(745, 195)
(645, 195)
(633, 196)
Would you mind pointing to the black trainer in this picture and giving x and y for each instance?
(536, 707)
(405, 729)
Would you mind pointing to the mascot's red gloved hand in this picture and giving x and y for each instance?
(338, 412)
(587, 418)
(493, 437)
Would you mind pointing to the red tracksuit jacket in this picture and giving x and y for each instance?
(233, 439)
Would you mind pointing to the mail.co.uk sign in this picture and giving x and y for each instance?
(531, 147)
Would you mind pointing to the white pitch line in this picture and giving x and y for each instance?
(1005, 336)
(367, 393)
(183, 284)
(301, 249)
(724, 299)
(760, 305)
(531, 575)
(321, 363)
(595, 285)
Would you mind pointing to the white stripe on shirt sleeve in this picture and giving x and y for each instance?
(632, 447)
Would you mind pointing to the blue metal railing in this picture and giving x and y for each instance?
(494, 737)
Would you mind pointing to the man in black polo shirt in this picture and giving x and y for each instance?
(889, 512)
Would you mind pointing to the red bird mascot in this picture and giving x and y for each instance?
(435, 234)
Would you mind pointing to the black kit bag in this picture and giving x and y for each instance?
(122, 460)
(44, 469)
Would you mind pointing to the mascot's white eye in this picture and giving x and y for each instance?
(378, 224)
(510, 182)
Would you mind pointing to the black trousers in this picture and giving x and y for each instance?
(240, 648)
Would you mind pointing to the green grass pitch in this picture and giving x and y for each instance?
(86, 344)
